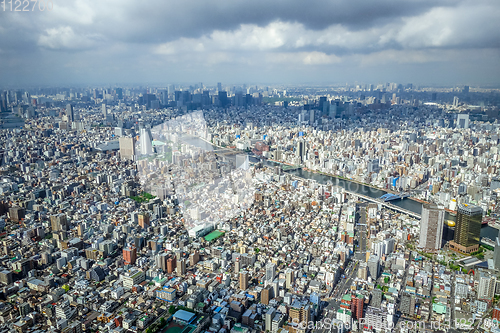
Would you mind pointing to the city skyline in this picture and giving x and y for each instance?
(77, 42)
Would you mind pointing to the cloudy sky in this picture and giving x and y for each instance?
(435, 42)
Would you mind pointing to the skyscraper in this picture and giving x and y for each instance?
(146, 146)
(300, 149)
(311, 116)
(70, 113)
(431, 227)
(104, 111)
(127, 148)
(468, 229)
(496, 254)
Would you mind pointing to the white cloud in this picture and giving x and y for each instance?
(64, 38)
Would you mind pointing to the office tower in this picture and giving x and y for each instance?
(467, 229)
(463, 121)
(431, 227)
(164, 97)
(127, 148)
(300, 150)
(270, 272)
(130, 255)
(181, 267)
(70, 113)
(243, 280)
(104, 111)
(496, 254)
(59, 222)
(486, 288)
(219, 86)
(223, 100)
(465, 90)
(455, 101)
(311, 117)
(433, 97)
(119, 93)
(145, 141)
(373, 266)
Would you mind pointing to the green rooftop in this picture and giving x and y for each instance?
(439, 308)
(347, 297)
(214, 235)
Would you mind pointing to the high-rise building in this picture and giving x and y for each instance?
(145, 140)
(171, 264)
(270, 272)
(363, 271)
(268, 318)
(104, 111)
(70, 113)
(357, 303)
(300, 149)
(311, 116)
(486, 287)
(59, 222)
(467, 229)
(119, 93)
(289, 278)
(266, 294)
(194, 258)
(463, 120)
(431, 227)
(407, 305)
(143, 220)
(373, 266)
(161, 261)
(299, 313)
(455, 101)
(127, 148)
(181, 267)
(243, 280)
(376, 300)
(130, 255)
(496, 254)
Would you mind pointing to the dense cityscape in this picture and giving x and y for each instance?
(250, 208)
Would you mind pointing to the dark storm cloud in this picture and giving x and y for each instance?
(193, 18)
(90, 40)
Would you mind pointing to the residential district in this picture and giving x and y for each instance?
(249, 209)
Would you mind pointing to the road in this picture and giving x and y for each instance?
(361, 233)
(330, 310)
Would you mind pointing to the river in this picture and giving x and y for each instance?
(411, 205)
